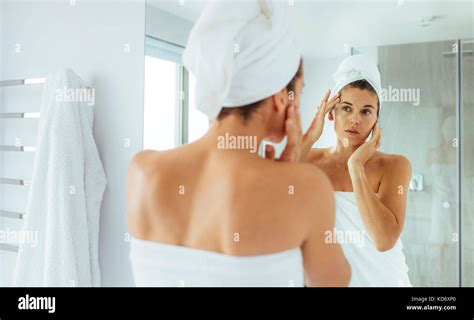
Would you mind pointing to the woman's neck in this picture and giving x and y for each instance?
(232, 136)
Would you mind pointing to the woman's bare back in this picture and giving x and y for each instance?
(223, 202)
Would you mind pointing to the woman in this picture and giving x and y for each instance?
(216, 214)
(370, 186)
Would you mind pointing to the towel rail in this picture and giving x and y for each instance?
(17, 182)
(16, 115)
(19, 82)
(8, 247)
(12, 214)
(21, 182)
(17, 148)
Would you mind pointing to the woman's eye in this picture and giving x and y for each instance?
(346, 108)
(366, 112)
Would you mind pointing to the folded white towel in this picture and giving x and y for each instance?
(67, 187)
(240, 52)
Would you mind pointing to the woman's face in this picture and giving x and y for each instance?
(355, 116)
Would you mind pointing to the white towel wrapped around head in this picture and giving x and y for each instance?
(240, 52)
(358, 67)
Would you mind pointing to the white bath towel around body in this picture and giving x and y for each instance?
(370, 267)
(166, 265)
(67, 186)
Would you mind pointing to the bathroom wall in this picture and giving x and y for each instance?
(104, 44)
(166, 26)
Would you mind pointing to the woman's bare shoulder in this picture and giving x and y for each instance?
(154, 161)
(392, 161)
(317, 154)
(149, 166)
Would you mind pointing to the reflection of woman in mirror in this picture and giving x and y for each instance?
(217, 214)
(371, 186)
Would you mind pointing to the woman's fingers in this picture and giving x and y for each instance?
(269, 152)
(375, 132)
(377, 138)
(327, 105)
(298, 119)
(293, 137)
(334, 98)
(294, 126)
(288, 153)
(332, 103)
(326, 96)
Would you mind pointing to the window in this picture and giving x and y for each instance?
(198, 121)
(159, 125)
(170, 116)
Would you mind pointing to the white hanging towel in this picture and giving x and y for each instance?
(67, 187)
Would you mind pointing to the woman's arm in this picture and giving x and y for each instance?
(382, 215)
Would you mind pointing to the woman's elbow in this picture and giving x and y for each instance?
(344, 275)
(385, 243)
(347, 275)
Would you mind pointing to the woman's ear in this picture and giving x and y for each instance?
(281, 100)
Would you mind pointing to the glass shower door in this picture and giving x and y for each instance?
(419, 120)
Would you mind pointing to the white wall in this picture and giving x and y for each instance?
(165, 26)
(92, 39)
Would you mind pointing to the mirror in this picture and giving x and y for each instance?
(424, 52)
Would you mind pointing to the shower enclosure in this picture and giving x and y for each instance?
(427, 115)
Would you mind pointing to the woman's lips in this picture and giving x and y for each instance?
(352, 132)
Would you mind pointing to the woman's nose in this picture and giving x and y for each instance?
(354, 120)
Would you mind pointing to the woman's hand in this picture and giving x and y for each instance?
(298, 145)
(316, 128)
(360, 156)
(292, 151)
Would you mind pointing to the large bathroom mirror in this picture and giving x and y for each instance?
(78, 170)
(425, 54)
